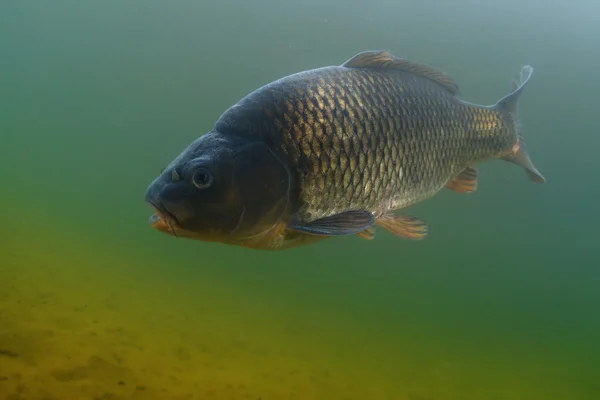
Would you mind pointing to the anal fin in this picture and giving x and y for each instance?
(404, 226)
(345, 223)
(367, 234)
(465, 182)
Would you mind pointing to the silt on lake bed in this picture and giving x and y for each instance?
(334, 151)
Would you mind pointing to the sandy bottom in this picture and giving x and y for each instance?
(82, 321)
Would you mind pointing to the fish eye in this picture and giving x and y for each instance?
(202, 178)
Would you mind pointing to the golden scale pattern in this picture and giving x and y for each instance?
(361, 138)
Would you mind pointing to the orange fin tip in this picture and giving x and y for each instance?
(465, 182)
(367, 234)
(404, 226)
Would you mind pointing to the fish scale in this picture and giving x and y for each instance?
(355, 144)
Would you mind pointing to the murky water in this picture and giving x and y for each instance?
(500, 302)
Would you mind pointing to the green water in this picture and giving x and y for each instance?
(500, 302)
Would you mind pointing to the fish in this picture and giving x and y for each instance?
(335, 151)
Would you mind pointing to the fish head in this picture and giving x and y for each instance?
(221, 189)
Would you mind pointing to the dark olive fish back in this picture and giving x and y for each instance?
(369, 135)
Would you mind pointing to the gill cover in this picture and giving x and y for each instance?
(264, 184)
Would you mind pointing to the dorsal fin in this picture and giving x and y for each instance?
(385, 60)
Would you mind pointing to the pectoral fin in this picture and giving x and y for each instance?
(465, 182)
(345, 223)
(404, 226)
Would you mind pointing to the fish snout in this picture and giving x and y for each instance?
(162, 219)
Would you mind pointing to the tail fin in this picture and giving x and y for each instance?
(509, 106)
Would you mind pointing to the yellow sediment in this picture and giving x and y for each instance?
(81, 319)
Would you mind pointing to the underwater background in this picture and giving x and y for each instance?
(500, 302)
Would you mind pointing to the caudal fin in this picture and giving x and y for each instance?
(509, 106)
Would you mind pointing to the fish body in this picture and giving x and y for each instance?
(339, 149)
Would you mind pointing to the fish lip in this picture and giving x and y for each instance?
(161, 213)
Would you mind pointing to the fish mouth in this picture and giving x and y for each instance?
(162, 219)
